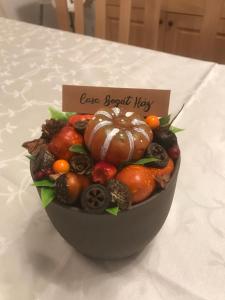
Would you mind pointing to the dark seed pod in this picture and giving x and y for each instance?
(35, 146)
(120, 193)
(158, 152)
(44, 160)
(80, 126)
(165, 137)
(68, 188)
(81, 164)
(95, 199)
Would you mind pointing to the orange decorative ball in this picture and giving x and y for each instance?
(153, 121)
(63, 140)
(115, 136)
(61, 166)
(139, 181)
(73, 185)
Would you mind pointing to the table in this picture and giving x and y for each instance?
(187, 258)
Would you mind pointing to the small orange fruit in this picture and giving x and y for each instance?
(139, 181)
(153, 121)
(61, 166)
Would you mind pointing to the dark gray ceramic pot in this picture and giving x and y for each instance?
(112, 237)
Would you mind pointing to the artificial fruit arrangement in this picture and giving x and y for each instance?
(103, 163)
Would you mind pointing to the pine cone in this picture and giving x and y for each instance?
(81, 164)
(51, 127)
(120, 193)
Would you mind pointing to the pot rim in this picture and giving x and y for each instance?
(132, 207)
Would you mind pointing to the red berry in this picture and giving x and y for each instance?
(43, 174)
(174, 152)
(103, 171)
(48, 172)
(39, 175)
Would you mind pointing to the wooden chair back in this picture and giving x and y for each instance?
(209, 27)
(151, 19)
(2, 12)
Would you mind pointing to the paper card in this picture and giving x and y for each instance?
(89, 99)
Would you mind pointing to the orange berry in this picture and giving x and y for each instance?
(61, 166)
(153, 121)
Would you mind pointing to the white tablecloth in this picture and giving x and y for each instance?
(187, 258)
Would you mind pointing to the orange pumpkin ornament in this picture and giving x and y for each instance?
(114, 135)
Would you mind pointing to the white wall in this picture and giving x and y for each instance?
(28, 11)
(20, 10)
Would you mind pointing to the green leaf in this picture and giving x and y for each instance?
(47, 196)
(164, 120)
(31, 157)
(144, 161)
(69, 114)
(56, 114)
(113, 210)
(44, 183)
(175, 129)
(78, 149)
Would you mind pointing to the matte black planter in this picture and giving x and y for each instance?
(112, 237)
